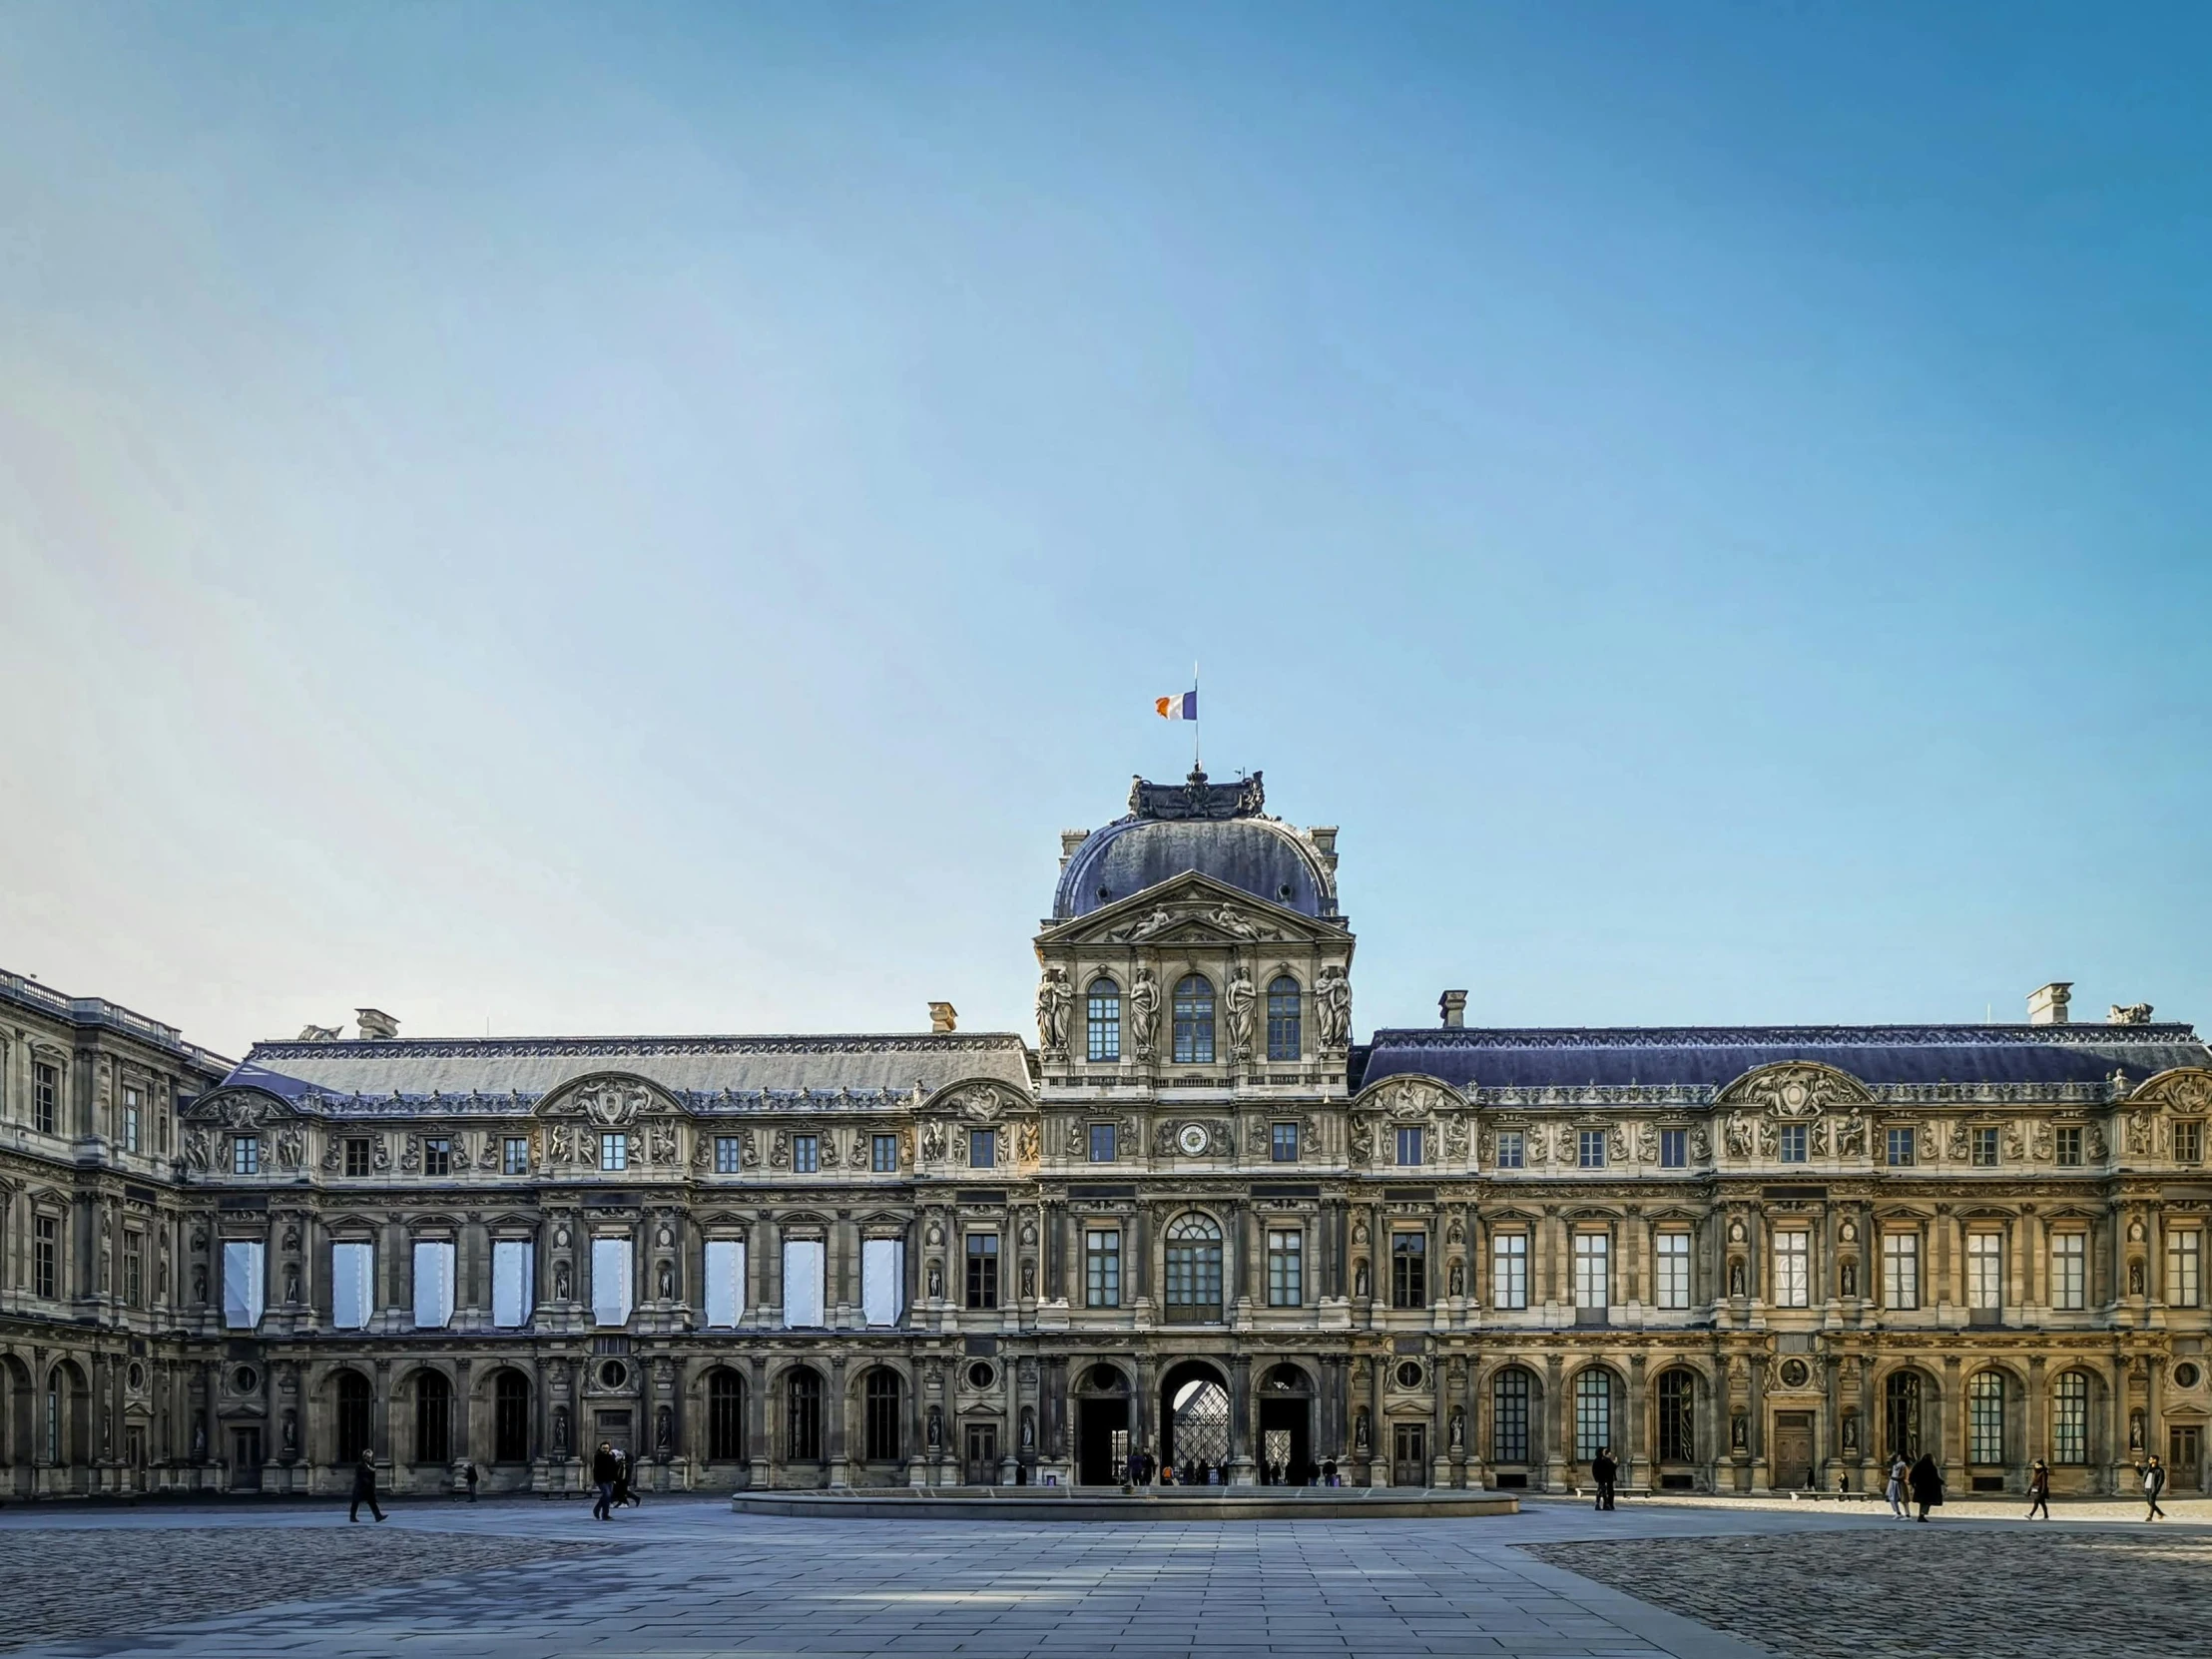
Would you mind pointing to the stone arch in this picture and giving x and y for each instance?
(1510, 1403)
(511, 1394)
(1194, 1413)
(1596, 1398)
(881, 1395)
(64, 1420)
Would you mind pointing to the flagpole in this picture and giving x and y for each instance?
(1195, 766)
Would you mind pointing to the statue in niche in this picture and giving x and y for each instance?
(1851, 1278)
(1736, 1278)
(291, 1282)
(668, 1281)
(199, 1441)
(1029, 1428)
(1739, 1432)
(1458, 1429)
(560, 1281)
(292, 1436)
(2135, 1278)
(560, 1430)
(664, 1431)
(1359, 1431)
(1028, 1281)
(1851, 1431)
(936, 1282)
(1053, 1000)
(1144, 1011)
(199, 1283)
(936, 1427)
(1458, 1277)
(1238, 1000)
(2136, 1431)
(1333, 1006)
(1359, 1277)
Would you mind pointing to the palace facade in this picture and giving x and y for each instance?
(1193, 1221)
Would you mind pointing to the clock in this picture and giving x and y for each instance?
(1193, 1138)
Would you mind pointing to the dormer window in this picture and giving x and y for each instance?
(1194, 1021)
(1102, 1020)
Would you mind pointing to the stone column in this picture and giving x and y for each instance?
(1240, 1421)
(1639, 1460)
(2036, 1426)
(1558, 1423)
(757, 1422)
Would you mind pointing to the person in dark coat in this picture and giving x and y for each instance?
(1604, 1471)
(2039, 1490)
(2154, 1482)
(1927, 1485)
(468, 1473)
(365, 1489)
(606, 1469)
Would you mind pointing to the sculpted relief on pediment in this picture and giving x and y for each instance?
(1802, 1090)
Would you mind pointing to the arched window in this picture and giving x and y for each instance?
(1985, 1417)
(433, 1418)
(884, 1441)
(1510, 1395)
(1192, 1269)
(1102, 1020)
(357, 1402)
(725, 1416)
(2069, 1418)
(803, 1417)
(1593, 1414)
(510, 1417)
(1286, 1036)
(1900, 1414)
(1678, 1417)
(1194, 1021)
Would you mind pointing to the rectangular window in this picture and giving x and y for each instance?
(1286, 1267)
(1103, 1024)
(1674, 1271)
(134, 1269)
(245, 1155)
(611, 1284)
(2069, 1146)
(352, 1284)
(514, 1155)
(514, 1275)
(1512, 1149)
(2069, 1420)
(433, 1284)
(1985, 1418)
(2069, 1269)
(883, 1154)
(1674, 1149)
(2189, 1143)
(1793, 1269)
(722, 1278)
(437, 1156)
(1102, 1267)
(1282, 1143)
(982, 1270)
(1985, 1149)
(45, 1097)
(882, 1280)
(1509, 1417)
(2184, 1263)
(1898, 1140)
(1102, 1143)
(1589, 1149)
(614, 1150)
(1592, 1282)
(1795, 1139)
(1408, 1145)
(982, 1149)
(1900, 1271)
(1985, 1270)
(805, 1154)
(131, 1104)
(243, 1283)
(44, 1258)
(1408, 1270)
(728, 1155)
(802, 1283)
(356, 1156)
(1509, 1269)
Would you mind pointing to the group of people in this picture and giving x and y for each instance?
(1918, 1482)
(610, 1473)
(1143, 1469)
(1925, 1482)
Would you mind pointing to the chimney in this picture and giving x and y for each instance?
(943, 1018)
(377, 1025)
(2049, 1006)
(1453, 1006)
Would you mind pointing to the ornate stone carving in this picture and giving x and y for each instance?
(1144, 1011)
(1800, 1090)
(1647, 1144)
(1055, 998)
(1333, 1006)
(1238, 997)
(1028, 1143)
(610, 1102)
(2130, 1013)
(1195, 798)
(932, 1141)
(1851, 1134)
(659, 1141)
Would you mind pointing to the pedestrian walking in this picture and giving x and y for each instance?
(2039, 1490)
(1900, 1470)
(468, 1473)
(606, 1467)
(2154, 1482)
(1927, 1485)
(1604, 1469)
(365, 1489)
(621, 1494)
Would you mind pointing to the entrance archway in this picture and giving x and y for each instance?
(1194, 1418)
(1286, 1449)
(1101, 1426)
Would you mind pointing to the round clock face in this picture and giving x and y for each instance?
(1193, 1138)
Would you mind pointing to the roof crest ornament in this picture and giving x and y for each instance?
(1195, 798)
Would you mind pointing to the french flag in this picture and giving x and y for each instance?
(1181, 707)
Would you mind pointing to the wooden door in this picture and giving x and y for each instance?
(1792, 1448)
(981, 1460)
(2184, 1458)
(1410, 1454)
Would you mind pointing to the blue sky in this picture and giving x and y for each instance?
(558, 519)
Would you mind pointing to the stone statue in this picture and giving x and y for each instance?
(560, 1430)
(199, 1283)
(668, 1281)
(1028, 1281)
(291, 1282)
(1359, 1277)
(1238, 998)
(663, 1431)
(1359, 1431)
(1458, 1429)
(1144, 1011)
(1851, 1278)
(560, 1280)
(1055, 998)
(1028, 1428)
(1739, 1432)
(1736, 1278)
(199, 1441)
(1458, 1277)
(2134, 1278)
(292, 1436)
(936, 1427)
(1333, 1004)
(936, 1282)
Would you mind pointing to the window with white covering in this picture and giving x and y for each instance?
(244, 1293)
(882, 1280)
(725, 1282)
(610, 1280)
(514, 1274)
(433, 1284)
(802, 1283)
(352, 1284)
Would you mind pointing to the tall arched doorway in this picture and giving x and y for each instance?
(1194, 1418)
(1285, 1426)
(1101, 1426)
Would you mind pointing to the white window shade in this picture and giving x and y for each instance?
(433, 1284)
(882, 1280)
(243, 1287)
(514, 1275)
(353, 1284)
(725, 1282)
(610, 1280)
(803, 1281)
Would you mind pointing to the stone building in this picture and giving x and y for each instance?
(1193, 1221)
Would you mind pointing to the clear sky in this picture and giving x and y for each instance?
(652, 519)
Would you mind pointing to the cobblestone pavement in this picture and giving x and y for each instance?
(685, 1579)
(1991, 1592)
(115, 1581)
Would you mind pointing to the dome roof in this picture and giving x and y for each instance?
(1216, 829)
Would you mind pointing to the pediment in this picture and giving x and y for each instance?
(1408, 1095)
(1192, 909)
(241, 1106)
(2184, 1089)
(980, 1099)
(1796, 1089)
(610, 1099)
